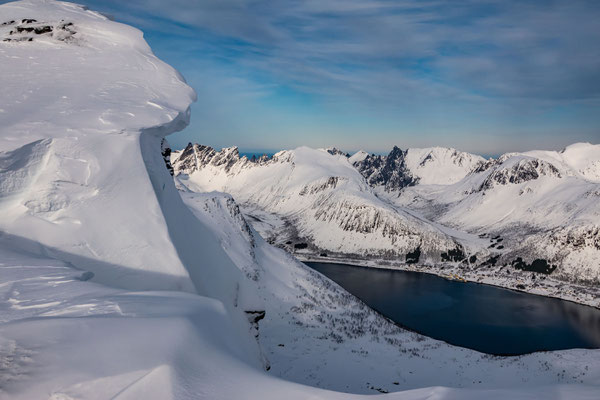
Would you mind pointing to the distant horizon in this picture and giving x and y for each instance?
(249, 152)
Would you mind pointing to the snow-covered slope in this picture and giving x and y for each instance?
(84, 107)
(81, 172)
(544, 204)
(440, 165)
(319, 194)
(310, 340)
(72, 167)
(358, 156)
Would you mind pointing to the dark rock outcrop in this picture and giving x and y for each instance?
(389, 171)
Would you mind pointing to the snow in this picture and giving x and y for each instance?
(440, 165)
(540, 202)
(315, 350)
(117, 285)
(541, 206)
(322, 194)
(358, 156)
(72, 166)
(579, 159)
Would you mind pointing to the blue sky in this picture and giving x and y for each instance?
(485, 76)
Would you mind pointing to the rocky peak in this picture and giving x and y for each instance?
(226, 158)
(518, 170)
(197, 156)
(336, 152)
(389, 171)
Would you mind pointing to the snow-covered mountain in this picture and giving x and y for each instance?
(427, 206)
(318, 198)
(544, 204)
(401, 168)
(115, 284)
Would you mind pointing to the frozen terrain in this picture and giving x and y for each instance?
(539, 205)
(115, 284)
(318, 194)
(528, 221)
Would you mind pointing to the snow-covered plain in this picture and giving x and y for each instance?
(117, 285)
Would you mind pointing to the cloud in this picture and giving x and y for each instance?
(492, 65)
(531, 49)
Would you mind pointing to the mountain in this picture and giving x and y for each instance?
(441, 209)
(316, 198)
(544, 204)
(401, 168)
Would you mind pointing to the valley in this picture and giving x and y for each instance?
(323, 205)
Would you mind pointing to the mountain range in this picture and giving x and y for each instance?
(535, 211)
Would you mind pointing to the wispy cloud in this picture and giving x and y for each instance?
(533, 49)
(485, 57)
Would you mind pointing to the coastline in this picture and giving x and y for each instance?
(547, 287)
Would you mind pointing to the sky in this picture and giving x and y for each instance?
(486, 76)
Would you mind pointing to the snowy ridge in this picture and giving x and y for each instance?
(440, 165)
(319, 193)
(358, 156)
(58, 162)
(430, 206)
(540, 202)
(84, 186)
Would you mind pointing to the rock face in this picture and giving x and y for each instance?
(389, 171)
(319, 199)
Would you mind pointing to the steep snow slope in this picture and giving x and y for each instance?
(72, 169)
(317, 193)
(440, 165)
(328, 331)
(82, 173)
(83, 109)
(358, 156)
(544, 204)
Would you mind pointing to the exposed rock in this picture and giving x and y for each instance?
(388, 171)
(335, 152)
(453, 255)
(166, 153)
(525, 169)
(413, 256)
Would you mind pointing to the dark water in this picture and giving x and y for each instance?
(480, 317)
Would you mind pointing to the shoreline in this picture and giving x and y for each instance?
(546, 287)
